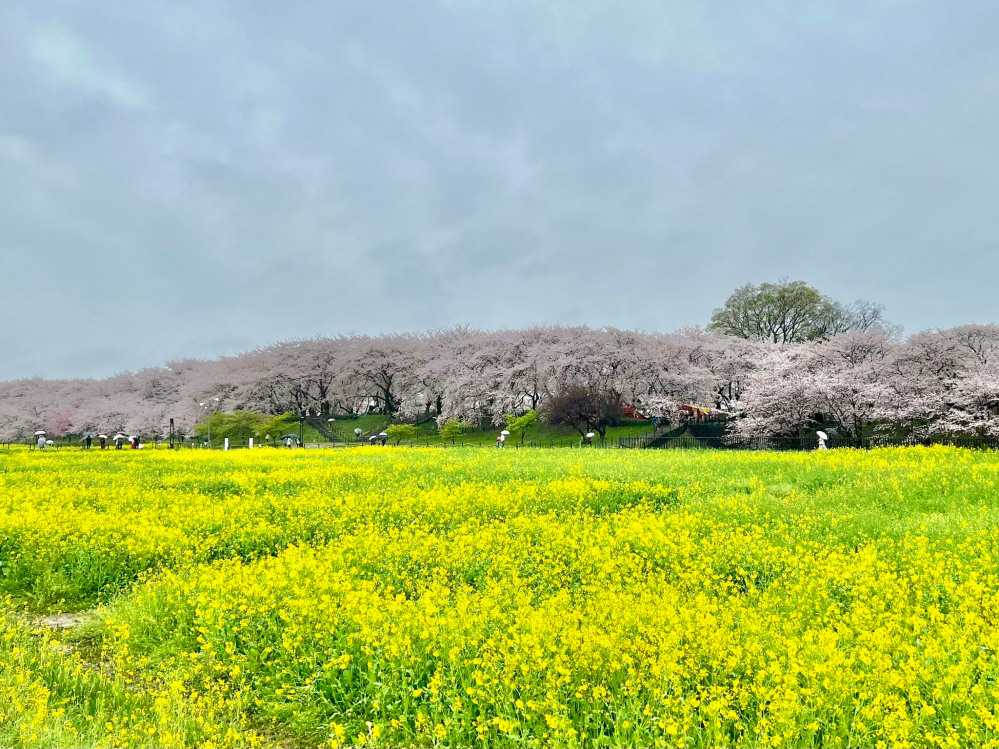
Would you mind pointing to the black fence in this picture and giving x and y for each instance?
(471, 441)
(683, 442)
(689, 442)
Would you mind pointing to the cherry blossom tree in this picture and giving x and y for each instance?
(520, 363)
(947, 382)
(796, 387)
(847, 379)
(935, 382)
(776, 394)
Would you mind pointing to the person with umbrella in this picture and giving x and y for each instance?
(373, 439)
(501, 440)
(104, 441)
(41, 439)
(88, 440)
(383, 436)
(357, 433)
(117, 440)
(823, 437)
(589, 439)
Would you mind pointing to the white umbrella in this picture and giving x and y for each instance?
(382, 434)
(40, 432)
(118, 437)
(102, 436)
(822, 435)
(506, 431)
(49, 442)
(589, 435)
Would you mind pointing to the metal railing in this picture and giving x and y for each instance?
(323, 428)
(783, 444)
(683, 442)
(510, 444)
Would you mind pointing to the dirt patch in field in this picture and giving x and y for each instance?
(63, 621)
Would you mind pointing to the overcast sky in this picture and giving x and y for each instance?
(198, 178)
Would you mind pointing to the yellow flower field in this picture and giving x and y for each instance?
(387, 597)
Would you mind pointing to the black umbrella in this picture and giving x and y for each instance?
(290, 437)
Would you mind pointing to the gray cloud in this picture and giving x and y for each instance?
(190, 179)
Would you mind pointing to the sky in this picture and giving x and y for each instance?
(193, 179)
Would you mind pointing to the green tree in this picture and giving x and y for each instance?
(520, 424)
(239, 425)
(400, 432)
(793, 311)
(782, 312)
(453, 429)
(275, 426)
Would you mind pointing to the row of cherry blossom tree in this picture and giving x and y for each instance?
(934, 382)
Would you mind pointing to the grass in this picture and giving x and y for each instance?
(481, 435)
(486, 597)
(367, 423)
(50, 697)
(343, 428)
(540, 434)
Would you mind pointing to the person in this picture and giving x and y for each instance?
(104, 443)
(357, 433)
(287, 442)
(41, 441)
(822, 440)
(90, 440)
(117, 443)
(589, 439)
(372, 440)
(502, 440)
(384, 439)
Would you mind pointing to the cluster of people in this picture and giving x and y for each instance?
(135, 442)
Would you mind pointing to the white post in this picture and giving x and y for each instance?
(226, 448)
(251, 443)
